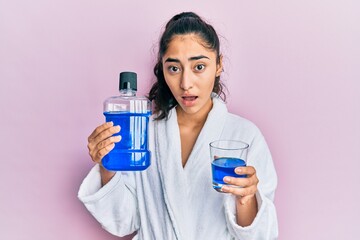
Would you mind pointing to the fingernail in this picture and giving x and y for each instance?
(117, 128)
(226, 179)
(225, 188)
(117, 138)
(238, 170)
(110, 123)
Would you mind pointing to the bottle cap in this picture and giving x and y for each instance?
(128, 80)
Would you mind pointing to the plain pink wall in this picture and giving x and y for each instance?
(292, 67)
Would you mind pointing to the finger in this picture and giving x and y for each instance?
(248, 170)
(242, 182)
(104, 135)
(108, 141)
(93, 142)
(99, 129)
(102, 152)
(241, 192)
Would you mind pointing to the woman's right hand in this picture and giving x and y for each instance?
(101, 141)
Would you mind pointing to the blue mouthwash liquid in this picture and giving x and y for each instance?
(131, 153)
(222, 167)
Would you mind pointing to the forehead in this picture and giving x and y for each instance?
(187, 45)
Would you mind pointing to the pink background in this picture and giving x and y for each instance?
(292, 67)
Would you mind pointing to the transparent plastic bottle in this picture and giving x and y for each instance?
(132, 114)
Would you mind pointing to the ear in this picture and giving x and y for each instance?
(219, 66)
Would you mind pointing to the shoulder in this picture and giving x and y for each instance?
(235, 126)
(241, 122)
(231, 117)
(240, 127)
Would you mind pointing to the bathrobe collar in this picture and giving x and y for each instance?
(174, 182)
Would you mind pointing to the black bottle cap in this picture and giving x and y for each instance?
(126, 79)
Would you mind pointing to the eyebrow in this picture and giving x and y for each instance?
(190, 59)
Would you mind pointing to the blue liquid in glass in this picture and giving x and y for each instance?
(131, 153)
(222, 167)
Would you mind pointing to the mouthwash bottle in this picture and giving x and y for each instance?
(132, 114)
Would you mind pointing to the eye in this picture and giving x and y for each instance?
(200, 67)
(173, 69)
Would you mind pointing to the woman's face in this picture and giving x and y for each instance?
(190, 70)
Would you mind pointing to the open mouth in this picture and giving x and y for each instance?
(189, 98)
(189, 101)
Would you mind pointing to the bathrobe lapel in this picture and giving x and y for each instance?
(173, 178)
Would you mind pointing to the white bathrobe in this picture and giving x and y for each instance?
(167, 201)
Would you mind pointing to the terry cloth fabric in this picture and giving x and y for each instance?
(169, 201)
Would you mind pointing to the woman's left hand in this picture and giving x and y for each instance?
(243, 188)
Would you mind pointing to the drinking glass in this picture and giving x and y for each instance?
(226, 155)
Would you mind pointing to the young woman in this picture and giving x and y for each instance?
(173, 198)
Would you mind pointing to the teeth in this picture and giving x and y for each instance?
(189, 98)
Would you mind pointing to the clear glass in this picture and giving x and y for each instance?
(226, 155)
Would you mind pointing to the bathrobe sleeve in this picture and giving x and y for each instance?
(114, 205)
(265, 224)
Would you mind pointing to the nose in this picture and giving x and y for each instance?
(186, 80)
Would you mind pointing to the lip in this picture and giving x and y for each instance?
(189, 100)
